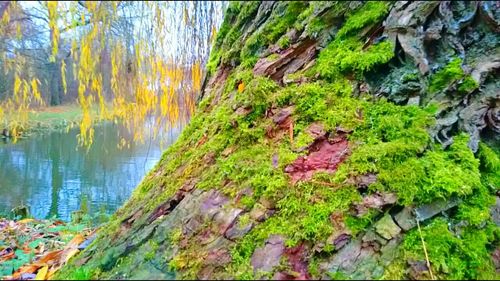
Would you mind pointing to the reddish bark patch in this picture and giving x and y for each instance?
(297, 259)
(291, 60)
(324, 155)
(282, 121)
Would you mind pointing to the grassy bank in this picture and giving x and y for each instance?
(46, 119)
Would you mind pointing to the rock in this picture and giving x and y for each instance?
(386, 227)
(258, 213)
(365, 180)
(414, 101)
(405, 219)
(242, 111)
(495, 256)
(495, 211)
(316, 130)
(390, 251)
(267, 257)
(213, 203)
(418, 270)
(371, 236)
(343, 259)
(282, 118)
(339, 239)
(237, 230)
(268, 203)
(429, 210)
(297, 259)
(375, 201)
(218, 257)
(225, 218)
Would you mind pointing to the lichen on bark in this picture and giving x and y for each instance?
(323, 133)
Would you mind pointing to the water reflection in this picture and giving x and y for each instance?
(51, 175)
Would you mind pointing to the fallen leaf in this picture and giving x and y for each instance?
(241, 87)
(77, 240)
(26, 221)
(51, 257)
(27, 269)
(7, 257)
(42, 273)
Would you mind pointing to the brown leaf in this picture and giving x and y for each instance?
(7, 257)
(77, 240)
(51, 257)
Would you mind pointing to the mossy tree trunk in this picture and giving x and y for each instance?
(324, 133)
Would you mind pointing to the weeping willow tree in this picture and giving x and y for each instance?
(132, 62)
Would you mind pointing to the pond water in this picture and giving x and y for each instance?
(51, 175)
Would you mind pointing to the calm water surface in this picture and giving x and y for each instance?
(52, 175)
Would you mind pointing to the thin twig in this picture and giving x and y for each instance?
(425, 251)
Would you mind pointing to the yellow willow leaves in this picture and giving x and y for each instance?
(35, 91)
(63, 77)
(149, 78)
(52, 9)
(18, 32)
(17, 86)
(6, 17)
(214, 33)
(196, 76)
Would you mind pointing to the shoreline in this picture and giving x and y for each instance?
(47, 119)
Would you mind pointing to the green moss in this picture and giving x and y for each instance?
(273, 29)
(451, 73)
(284, 42)
(82, 274)
(453, 257)
(468, 85)
(272, 57)
(371, 12)
(490, 162)
(395, 270)
(357, 225)
(344, 56)
(315, 26)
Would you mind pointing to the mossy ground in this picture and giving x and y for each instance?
(228, 150)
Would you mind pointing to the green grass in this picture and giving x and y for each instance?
(56, 114)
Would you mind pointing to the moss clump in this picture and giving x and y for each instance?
(468, 85)
(344, 56)
(451, 256)
(346, 53)
(371, 12)
(452, 73)
(226, 46)
(273, 28)
(284, 42)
